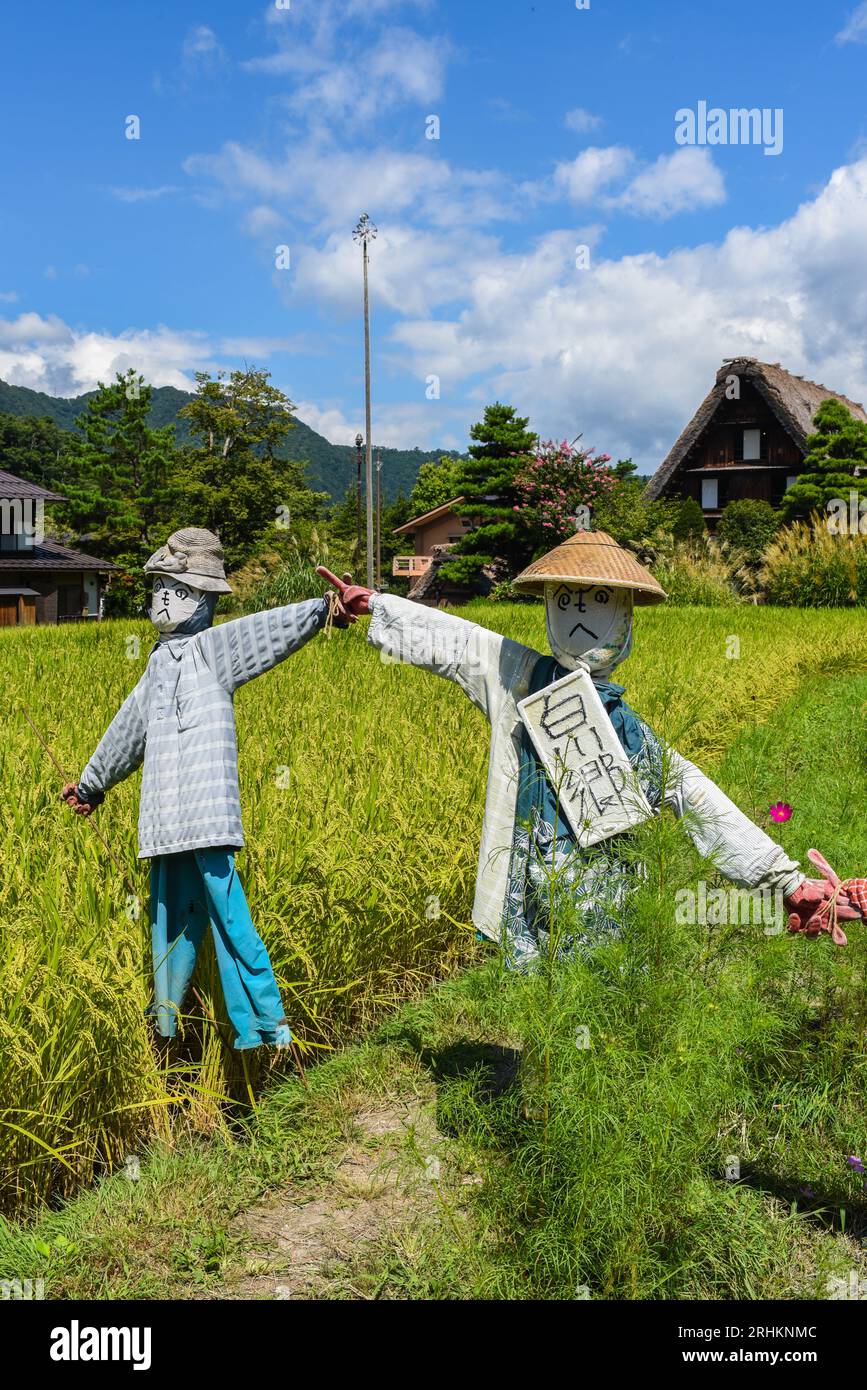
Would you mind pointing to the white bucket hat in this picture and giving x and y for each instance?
(195, 555)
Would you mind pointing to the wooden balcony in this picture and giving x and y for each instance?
(410, 566)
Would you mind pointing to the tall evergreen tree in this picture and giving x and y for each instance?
(117, 471)
(34, 448)
(437, 482)
(486, 480)
(230, 479)
(834, 452)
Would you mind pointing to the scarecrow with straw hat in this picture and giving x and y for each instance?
(179, 721)
(536, 868)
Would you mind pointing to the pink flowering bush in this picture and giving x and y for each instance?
(558, 488)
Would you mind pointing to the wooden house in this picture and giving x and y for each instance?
(433, 534)
(747, 439)
(42, 581)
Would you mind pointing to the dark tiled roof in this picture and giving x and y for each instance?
(10, 486)
(50, 555)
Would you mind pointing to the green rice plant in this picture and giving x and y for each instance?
(363, 786)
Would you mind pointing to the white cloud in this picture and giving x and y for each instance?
(677, 182)
(330, 187)
(582, 121)
(855, 28)
(142, 195)
(626, 350)
(9, 297)
(412, 271)
(32, 329)
(396, 426)
(202, 53)
(46, 354)
(261, 221)
(583, 178)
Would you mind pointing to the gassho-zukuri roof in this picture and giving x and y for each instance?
(793, 399)
(50, 555)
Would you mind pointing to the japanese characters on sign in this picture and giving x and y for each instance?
(584, 759)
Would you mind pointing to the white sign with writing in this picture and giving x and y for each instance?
(584, 759)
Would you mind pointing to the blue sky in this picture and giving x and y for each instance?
(264, 126)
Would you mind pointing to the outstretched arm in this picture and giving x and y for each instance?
(483, 663)
(118, 753)
(745, 854)
(237, 651)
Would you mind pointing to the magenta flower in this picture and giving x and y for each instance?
(855, 1162)
(781, 811)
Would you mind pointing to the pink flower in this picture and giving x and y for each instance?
(781, 811)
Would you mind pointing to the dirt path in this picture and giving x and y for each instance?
(386, 1179)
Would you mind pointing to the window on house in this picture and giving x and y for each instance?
(752, 444)
(709, 494)
(791, 479)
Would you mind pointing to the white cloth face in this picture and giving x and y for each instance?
(172, 602)
(590, 624)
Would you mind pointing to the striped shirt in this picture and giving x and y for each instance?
(179, 721)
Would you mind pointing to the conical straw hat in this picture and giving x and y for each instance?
(590, 557)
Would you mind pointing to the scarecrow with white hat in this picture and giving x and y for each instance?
(537, 861)
(179, 721)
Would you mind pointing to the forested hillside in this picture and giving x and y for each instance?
(331, 466)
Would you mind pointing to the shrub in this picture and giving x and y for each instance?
(691, 575)
(809, 567)
(690, 524)
(749, 526)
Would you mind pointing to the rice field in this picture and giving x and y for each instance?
(362, 785)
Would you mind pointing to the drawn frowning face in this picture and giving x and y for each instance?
(588, 622)
(173, 601)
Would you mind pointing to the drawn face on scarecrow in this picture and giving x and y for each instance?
(173, 602)
(591, 623)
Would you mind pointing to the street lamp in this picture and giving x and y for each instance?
(359, 445)
(364, 233)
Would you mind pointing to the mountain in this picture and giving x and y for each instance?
(331, 467)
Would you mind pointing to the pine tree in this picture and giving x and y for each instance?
(486, 481)
(231, 480)
(117, 471)
(834, 452)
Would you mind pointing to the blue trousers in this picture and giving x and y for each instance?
(189, 891)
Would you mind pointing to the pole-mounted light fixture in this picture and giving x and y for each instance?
(364, 233)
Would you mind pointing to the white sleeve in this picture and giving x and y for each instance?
(483, 663)
(722, 833)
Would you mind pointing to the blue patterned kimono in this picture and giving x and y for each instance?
(551, 878)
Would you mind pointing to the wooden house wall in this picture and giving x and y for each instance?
(57, 597)
(721, 444)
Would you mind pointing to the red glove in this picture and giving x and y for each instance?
(74, 802)
(816, 906)
(856, 892)
(353, 598)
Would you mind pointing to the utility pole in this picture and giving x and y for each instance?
(364, 233)
(359, 444)
(378, 518)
